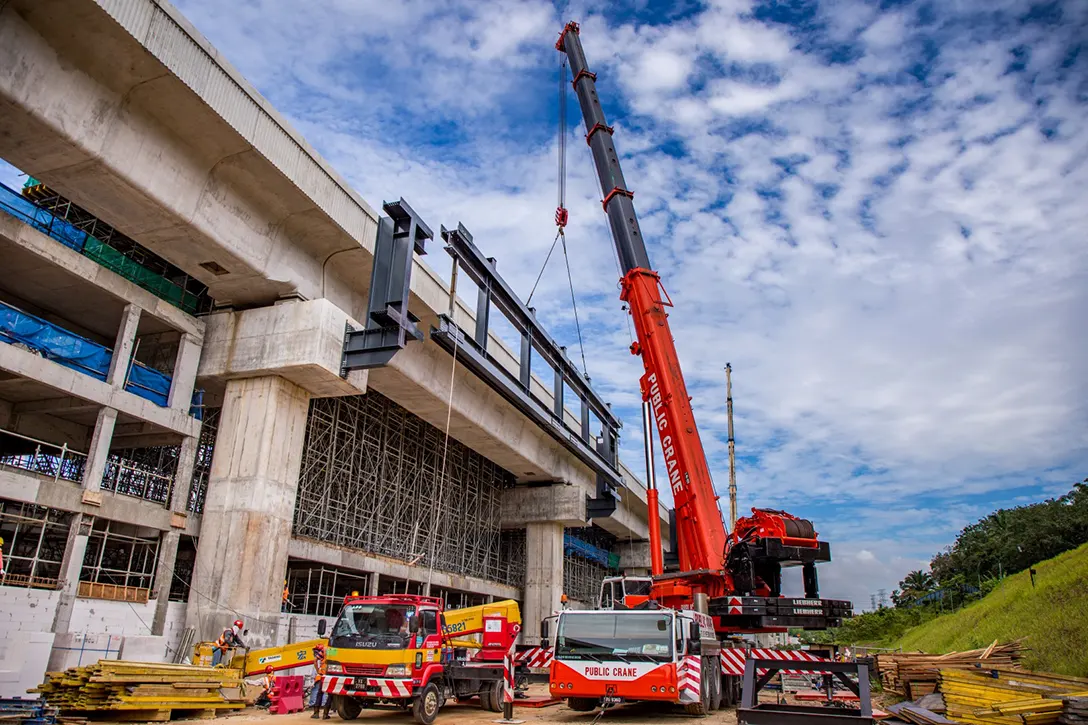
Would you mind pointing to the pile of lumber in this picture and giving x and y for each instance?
(914, 674)
(1075, 711)
(1008, 696)
(142, 690)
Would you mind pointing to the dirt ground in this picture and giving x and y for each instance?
(471, 714)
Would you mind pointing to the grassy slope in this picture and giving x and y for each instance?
(1053, 617)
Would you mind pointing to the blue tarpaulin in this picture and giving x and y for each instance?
(572, 545)
(78, 353)
(14, 203)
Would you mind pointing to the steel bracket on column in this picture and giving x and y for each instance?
(517, 387)
(389, 324)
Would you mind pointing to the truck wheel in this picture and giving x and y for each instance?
(702, 707)
(425, 706)
(348, 708)
(491, 697)
(581, 704)
(729, 690)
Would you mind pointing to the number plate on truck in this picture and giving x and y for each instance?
(611, 700)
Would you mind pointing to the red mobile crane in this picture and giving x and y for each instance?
(739, 572)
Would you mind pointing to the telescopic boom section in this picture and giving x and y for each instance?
(701, 536)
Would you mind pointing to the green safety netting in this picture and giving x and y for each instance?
(158, 285)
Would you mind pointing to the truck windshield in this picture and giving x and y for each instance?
(373, 626)
(614, 636)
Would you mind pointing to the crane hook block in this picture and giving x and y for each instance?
(636, 349)
(561, 217)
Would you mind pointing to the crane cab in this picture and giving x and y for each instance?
(624, 592)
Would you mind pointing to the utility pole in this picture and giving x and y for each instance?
(732, 445)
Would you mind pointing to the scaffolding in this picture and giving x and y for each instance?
(34, 541)
(146, 473)
(182, 574)
(371, 480)
(583, 570)
(119, 556)
(202, 468)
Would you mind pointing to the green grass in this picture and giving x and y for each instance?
(1052, 618)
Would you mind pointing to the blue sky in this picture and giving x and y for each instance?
(875, 211)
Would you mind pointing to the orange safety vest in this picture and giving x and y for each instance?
(319, 669)
(223, 643)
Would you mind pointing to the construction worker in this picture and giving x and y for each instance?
(229, 639)
(265, 698)
(1, 556)
(316, 695)
(286, 596)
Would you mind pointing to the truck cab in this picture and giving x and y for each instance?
(406, 652)
(611, 657)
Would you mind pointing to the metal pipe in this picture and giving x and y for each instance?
(657, 563)
(732, 452)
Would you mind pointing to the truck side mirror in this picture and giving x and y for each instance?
(695, 643)
(321, 627)
(544, 630)
(545, 642)
(413, 625)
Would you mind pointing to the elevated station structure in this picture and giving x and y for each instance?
(213, 403)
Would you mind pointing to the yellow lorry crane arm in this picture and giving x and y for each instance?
(457, 623)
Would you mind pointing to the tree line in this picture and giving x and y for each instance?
(1005, 542)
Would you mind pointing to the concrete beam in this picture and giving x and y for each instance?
(561, 504)
(69, 382)
(310, 550)
(302, 342)
(634, 556)
(64, 495)
(51, 253)
(183, 378)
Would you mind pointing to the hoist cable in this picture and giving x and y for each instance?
(545, 266)
(574, 302)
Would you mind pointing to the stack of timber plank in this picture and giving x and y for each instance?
(144, 691)
(1008, 696)
(914, 674)
(1075, 711)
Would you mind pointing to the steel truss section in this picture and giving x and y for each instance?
(202, 468)
(372, 479)
(600, 453)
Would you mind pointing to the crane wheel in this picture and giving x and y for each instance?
(426, 705)
(702, 707)
(715, 686)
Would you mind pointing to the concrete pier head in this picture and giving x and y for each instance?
(249, 507)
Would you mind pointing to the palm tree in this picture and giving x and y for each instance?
(917, 581)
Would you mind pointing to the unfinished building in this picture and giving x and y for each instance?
(205, 417)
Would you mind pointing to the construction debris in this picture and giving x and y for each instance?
(27, 712)
(914, 674)
(1008, 696)
(142, 691)
(913, 712)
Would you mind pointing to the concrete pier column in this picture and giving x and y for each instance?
(543, 576)
(372, 584)
(98, 452)
(75, 549)
(246, 527)
(543, 511)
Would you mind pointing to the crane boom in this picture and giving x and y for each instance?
(701, 535)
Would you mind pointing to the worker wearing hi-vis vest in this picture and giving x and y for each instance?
(1, 557)
(230, 638)
(316, 695)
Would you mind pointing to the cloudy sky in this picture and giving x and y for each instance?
(875, 211)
